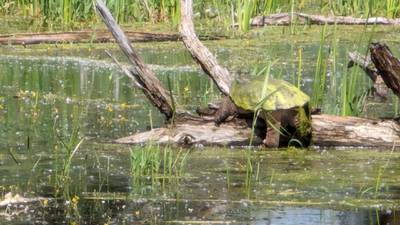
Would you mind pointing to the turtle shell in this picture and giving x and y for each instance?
(275, 95)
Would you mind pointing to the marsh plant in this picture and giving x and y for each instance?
(319, 81)
(64, 186)
(72, 12)
(155, 163)
(67, 150)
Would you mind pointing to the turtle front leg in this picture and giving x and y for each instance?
(273, 129)
(226, 109)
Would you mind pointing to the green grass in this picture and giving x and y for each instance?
(157, 163)
(71, 13)
(319, 81)
(67, 148)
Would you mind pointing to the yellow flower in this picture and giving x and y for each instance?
(45, 202)
(124, 105)
(109, 108)
(75, 200)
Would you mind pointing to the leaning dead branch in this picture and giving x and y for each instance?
(200, 53)
(365, 63)
(146, 78)
(387, 65)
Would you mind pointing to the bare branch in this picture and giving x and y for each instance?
(199, 52)
(152, 87)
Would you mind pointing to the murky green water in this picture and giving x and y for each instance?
(47, 93)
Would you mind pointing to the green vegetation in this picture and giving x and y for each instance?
(156, 163)
(66, 14)
(319, 81)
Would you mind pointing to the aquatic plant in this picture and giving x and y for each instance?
(299, 68)
(319, 81)
(157, 163)
(70, 13)
(67, 151)
(245, 9)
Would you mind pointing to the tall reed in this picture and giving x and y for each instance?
(319, 81)
(154, 162)
(69, 12)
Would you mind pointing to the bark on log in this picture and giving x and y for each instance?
(353, 131)
(200, 53)
(97, 36)
(388, 66)
(151, 86)
(327, 130)
(302, 18)
(195, 133)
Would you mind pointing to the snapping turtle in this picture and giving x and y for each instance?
(282, 106)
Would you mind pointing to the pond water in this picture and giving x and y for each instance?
(53, 96)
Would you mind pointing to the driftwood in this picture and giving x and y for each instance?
(96, 36)
(353, 131)
(195, 130)
(327, 131)
(387, 65)
(302, 18)
(381, 67)
(197, 134)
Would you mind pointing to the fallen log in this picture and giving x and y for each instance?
(327, 131)
(191, 133)
(302, 18)
(95, 36)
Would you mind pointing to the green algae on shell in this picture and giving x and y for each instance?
(279, 94)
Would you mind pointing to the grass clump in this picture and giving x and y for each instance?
(152, 163)
(72, 13)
